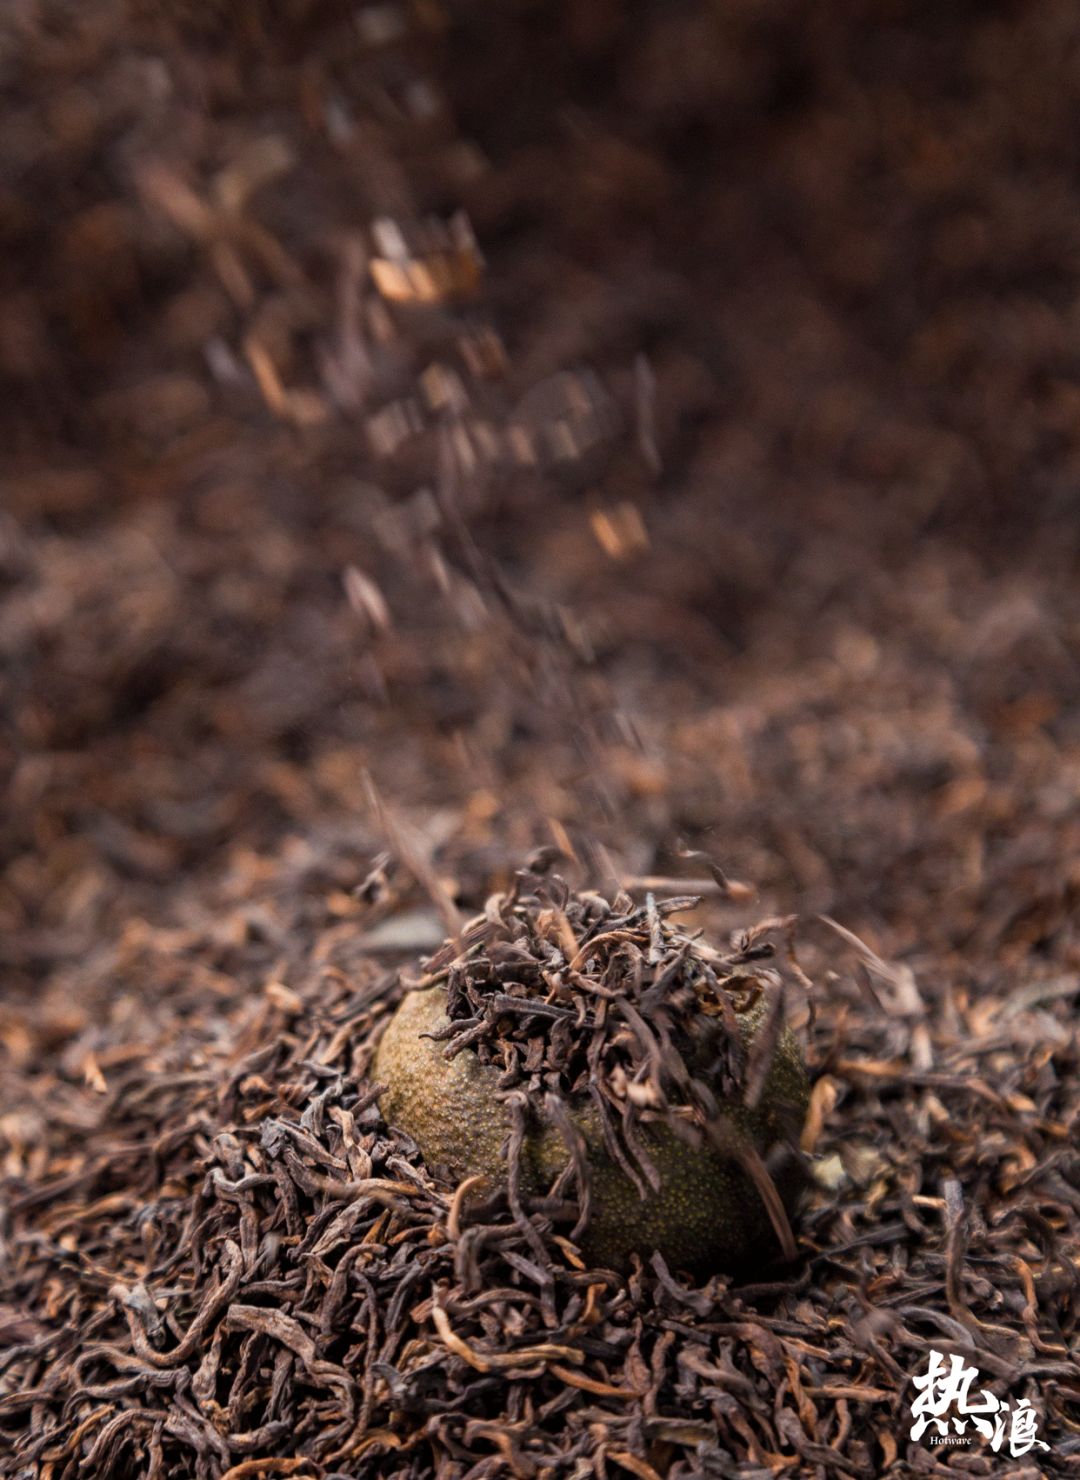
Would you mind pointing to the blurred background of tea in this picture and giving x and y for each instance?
(442, 430)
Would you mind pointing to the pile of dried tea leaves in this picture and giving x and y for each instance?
(240, 1269)
(767, 406)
